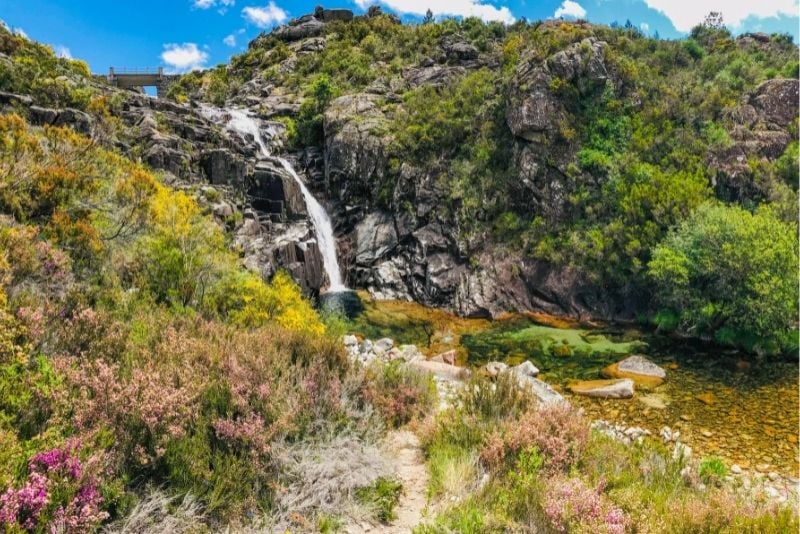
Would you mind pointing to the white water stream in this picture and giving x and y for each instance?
(241, 122)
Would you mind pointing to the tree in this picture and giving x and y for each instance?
(732, 274)
(428, 17)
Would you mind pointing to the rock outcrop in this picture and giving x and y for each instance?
(759, 130)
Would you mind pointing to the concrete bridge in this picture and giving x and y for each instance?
(146, 77)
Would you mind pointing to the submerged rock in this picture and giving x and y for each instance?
(604, 389)
(642, 371)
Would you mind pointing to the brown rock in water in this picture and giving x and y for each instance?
(707, 398)
(642, 371)
(604, 389)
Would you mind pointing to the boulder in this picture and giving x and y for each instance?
(172, 160)
(448, 357)
(383, 345)
(459, 50)
(410, 353)
(776, 101)
(306, 26)
(604, 389)
(543, 392)
(433, 75)
(493, 369)
(526, 368)
(642, 371)
(350, 340)
(441, 370)
(330, 15)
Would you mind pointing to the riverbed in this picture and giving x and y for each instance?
(723, 403)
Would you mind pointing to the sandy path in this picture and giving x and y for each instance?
(405, 452)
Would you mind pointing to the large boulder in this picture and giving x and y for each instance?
(543, 391)
(776, 101)
(441, 370)
(302, 28)
(642, 371)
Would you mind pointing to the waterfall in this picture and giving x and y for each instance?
(241, 122)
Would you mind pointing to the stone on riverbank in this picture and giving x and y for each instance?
(441, 370)
(526, 368)
(492, 369)
(604, 389)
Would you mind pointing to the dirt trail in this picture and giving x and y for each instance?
(405, 452)
(410, 468)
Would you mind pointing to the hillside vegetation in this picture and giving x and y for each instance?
(623, 138)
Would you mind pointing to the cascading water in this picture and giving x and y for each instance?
(241, 122)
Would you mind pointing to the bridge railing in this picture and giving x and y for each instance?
(155, 71)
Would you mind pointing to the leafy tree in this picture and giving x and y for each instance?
(310, 118)
(731, 273)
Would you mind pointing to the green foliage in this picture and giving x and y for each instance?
(712, 469)
(34, 69)
(731, 273)
(383, 496)
(310, 119)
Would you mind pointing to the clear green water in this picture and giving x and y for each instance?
(752, 420)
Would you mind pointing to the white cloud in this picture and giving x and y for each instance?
(570, 9)
(230, 40)
(20, 32)
(685, 14)
(644, 26)
(63, 52)
(265, 16)
(184, 57)
(205, 4)
(459, 8)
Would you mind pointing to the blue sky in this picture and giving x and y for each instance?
(186, 34)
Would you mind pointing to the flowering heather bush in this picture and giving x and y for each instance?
(571, 506)
(398, 392)
(558, 432)
(58, 493)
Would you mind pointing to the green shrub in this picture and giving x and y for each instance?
(383, 495)
(712, 469)
(731, 272)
